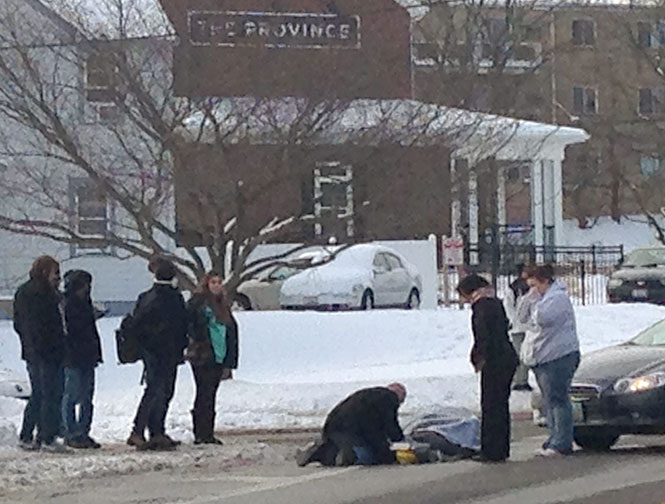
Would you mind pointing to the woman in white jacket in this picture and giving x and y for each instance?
(551, 349)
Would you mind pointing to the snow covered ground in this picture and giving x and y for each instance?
(295, 366)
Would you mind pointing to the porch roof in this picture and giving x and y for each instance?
(472, 135)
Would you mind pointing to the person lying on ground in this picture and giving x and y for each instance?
(359, 429)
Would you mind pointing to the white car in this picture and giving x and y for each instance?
(263, 290)
(362, 277)
(12, 385)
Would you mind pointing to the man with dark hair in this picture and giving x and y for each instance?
(82, 355)
(359, 429)
(160, 321)
(514, 296)
(39, 323)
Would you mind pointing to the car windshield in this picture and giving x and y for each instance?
(283, 272)
(646, 257)
(653, 336)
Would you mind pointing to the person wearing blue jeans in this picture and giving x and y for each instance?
(82, 354)
(552, 349)
(38, 322)
(554, 379)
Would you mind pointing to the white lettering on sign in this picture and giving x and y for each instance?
(278, 30)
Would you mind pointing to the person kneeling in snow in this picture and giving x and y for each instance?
(359, 429)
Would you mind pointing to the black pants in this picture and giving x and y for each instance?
(160, 378)
(207, 378)
(43, 408)
(495, 423)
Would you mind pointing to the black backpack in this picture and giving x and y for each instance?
(127, 341)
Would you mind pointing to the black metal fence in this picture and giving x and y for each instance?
(584, 270)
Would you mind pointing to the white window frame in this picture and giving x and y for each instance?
(320, 181)
(75, 185)
(99, 107)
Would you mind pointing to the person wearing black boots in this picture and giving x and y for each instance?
(212, 351)
(494, 357)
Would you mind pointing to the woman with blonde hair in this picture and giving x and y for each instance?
(212, 351)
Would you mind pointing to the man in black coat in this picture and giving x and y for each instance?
(39, 323)
(494, 357)
(359, 429)
(83, 352)
(160, 321)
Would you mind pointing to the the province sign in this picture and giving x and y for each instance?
(274, 30)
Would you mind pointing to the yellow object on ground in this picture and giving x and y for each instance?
(406, 456)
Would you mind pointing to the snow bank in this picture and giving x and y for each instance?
(295, 366)
(632, 232)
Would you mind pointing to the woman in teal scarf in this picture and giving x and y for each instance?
(212, 351)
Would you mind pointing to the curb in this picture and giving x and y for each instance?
(519, 416)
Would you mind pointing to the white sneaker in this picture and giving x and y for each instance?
(56, 446)
(548, 453)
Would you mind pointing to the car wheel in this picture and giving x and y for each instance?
(595, 439)
(241, 303)
(367, 302)
(413, 303)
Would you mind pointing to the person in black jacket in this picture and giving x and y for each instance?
(359, 429)
(494, 357)
(212, 351)
(83, 352)
(160, 322)
(39, 323)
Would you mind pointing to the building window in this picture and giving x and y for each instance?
(649, 166)
(585, 100)
(333, 200)
(651, 101)
(101, 85)
(90, 214)
(651, 34)
(584, 32)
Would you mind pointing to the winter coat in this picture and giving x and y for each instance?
(83, 348)
(200, 349)
(38, 321)
(518, 289)
(551, 329)
(369, 414)
(160, 322)
(492, 349)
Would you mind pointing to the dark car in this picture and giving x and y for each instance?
(641, 278)
(621, 390)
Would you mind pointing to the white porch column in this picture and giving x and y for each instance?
(455, 198)
(501, 201)
(557, 182)
(537, 215)
(549, 194)
(473, 213)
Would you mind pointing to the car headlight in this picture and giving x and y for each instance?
(614, 283)
(640, 383)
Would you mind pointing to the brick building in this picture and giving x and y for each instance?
(588, 65)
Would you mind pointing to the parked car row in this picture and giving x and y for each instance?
(641, 278)
(364, 277)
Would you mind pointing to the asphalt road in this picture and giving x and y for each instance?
(634, 472)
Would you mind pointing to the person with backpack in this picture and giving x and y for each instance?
(83, 352)
(212, 351)
(39, 323)
(160, 324)
(494, 357)
(514, 296)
